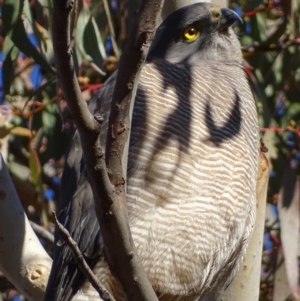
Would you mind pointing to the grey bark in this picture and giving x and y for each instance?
(23, 260)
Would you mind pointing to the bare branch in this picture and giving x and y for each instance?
(111, 29)
(274, 47)
(42, 232)
(64, 233)
(119, 127)
(23, 260)
(262, 8)
(109, 194)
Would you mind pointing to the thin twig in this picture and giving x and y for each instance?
(111, 29)
(273, 47)
(28, 63)
(64, 233)
(262, 8)
(42, 232)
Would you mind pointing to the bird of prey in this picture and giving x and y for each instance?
(192, 167)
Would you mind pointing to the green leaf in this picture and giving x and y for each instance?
(20, 131)
(89, 45)
(274, 38)
(35, 167)
(27, 11)
(41, 33)
(246, 40)
(49, 118)
(259, 27)
(20, 171)
(57, 138)
(8, 128)
(42, 88)
(294, 111)
(10, 53)
(11, 12)
(19, 36)
(45, 43)
(92, 42)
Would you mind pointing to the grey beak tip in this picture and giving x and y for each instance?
(231, 15)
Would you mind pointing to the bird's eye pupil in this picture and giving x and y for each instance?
(190, 33)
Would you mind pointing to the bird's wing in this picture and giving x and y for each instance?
(76, 212)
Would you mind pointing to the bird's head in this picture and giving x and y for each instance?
(201, 31)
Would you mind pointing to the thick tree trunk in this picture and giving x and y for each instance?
(23, 260)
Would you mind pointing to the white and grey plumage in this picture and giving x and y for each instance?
(192, 167)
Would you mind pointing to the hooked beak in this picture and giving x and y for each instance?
(228, 18)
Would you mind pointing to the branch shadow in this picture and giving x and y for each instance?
(177, 125)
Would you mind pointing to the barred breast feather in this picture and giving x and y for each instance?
(192, 172)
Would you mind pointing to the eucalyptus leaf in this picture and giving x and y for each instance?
(19, 37)
(11, 13)
(35, 168)
(89, 45)
(10, 52)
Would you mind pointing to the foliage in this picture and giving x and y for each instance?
(35, 126)
(270, 40)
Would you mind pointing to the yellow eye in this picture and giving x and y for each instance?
(190, 33)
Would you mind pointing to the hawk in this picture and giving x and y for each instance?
(192, 167)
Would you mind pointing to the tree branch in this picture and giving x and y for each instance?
(109, 193)
(64, 233)
(274, 47)
(23, 260)
(42, 232)
(111, 29)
